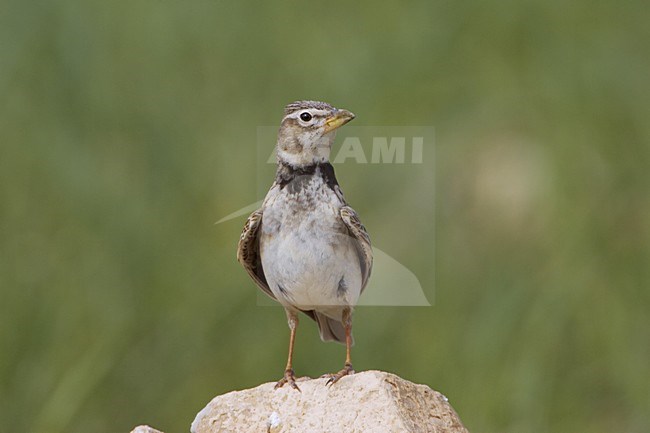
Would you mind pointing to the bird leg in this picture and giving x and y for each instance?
(347, 368)
(289, 375)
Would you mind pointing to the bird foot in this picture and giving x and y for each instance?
(333, 378)
(290, 378)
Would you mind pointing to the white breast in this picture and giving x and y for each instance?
(309, 259)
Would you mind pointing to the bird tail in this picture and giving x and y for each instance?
(330, 329)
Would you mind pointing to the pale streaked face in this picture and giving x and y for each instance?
(307, 132)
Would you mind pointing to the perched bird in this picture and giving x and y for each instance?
(305, 247)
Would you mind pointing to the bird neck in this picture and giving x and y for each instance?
(303, 156)
(288, 173)
(300, 169)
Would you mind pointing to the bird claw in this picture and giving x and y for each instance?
(333, 378)
(290, 378)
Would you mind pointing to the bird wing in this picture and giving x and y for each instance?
(248, 251)
(359, 233)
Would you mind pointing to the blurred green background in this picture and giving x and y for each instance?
(127, 128)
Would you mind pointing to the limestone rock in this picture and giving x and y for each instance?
(370, 401)
(145, 429)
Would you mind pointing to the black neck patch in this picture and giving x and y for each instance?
(295, 178)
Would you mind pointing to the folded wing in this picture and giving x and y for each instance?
(359, 233)
(248, 251)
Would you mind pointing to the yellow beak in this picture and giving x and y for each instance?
(340, 118)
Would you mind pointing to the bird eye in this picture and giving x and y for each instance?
(305, 116)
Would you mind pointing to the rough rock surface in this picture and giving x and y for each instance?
(370, 401)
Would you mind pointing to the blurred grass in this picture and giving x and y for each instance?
(128, 128)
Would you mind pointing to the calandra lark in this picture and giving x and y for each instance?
(305, 247)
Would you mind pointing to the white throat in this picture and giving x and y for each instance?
(319, 154)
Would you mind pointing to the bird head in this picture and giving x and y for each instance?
(307, 132)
